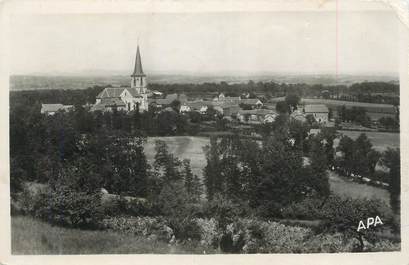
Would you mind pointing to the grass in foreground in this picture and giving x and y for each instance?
(33, 237)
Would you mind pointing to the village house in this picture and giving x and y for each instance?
(51, 109)
(298, 115)
(199, 105)
(254, 102)
(319, 111)
(256, 116)
(164, 102)
(130, 98)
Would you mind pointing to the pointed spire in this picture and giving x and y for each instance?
(138, 71)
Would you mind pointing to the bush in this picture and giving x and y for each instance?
(62, 206)
(328, 243)
(209, 232)
(66, 207)
(255, 236)
(308, 209)
(31, 199)
(136, 207)
(140, 226)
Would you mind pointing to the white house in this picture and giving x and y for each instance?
(256, 116)
(51, 109)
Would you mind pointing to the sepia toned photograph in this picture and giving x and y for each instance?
(205, 132)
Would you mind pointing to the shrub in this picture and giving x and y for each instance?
(140, 226)
(256, 236)
(62, 206)
(31, 199)
(328, 243)
(384, 245)
(209, 232)
(135, 207)
(308, 209)
(66, 207)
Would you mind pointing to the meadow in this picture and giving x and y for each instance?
(183, 147)
(380, 140)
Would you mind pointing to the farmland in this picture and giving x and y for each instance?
(369, 107)
(183, 147)
(380, 140)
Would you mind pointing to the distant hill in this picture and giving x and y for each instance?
(25, 82)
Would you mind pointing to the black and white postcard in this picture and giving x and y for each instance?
(211, 131)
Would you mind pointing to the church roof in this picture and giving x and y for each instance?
(111, 92)
(138, 71)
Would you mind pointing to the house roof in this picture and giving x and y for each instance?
(138, 71)
(108, 102)
(51, 107)
(257, 112)
(199, 104)
(163, 101)
(316, 108)
(250, 101)
(111, 92)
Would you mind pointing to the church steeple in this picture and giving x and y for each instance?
(138, 71)
(138, 81)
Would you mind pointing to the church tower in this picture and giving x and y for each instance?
(138, 81)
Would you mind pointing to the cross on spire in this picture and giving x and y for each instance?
(138, 71)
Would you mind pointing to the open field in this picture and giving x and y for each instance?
(33, 237)
(347, 188)
(370, 107)
(380, 140)
(183, 147)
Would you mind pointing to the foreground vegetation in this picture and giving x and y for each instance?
(31, 236)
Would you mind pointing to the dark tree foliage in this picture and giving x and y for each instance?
(282, 107)
(355, 114)
(292, 101)
(391, 159)
(261, 175)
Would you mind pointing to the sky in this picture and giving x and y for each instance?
(207, 43)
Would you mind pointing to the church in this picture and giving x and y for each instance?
(134, 97)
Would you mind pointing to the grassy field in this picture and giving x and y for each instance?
(380, 140)
(183, 147)
(33, 237)
(347, 188)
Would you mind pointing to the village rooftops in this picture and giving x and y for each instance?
(251, 101)
(108, 102)
(316, 108)
(257, 112)
(52, 108)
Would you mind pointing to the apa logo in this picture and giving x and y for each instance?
(370, 221)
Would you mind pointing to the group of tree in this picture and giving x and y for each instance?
(260, 173)
(289, 104)
(372, 92)
(354, 114)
